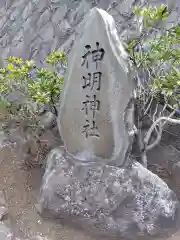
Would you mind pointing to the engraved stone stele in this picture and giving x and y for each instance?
(93, 117)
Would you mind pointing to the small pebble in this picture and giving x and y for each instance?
(3, 212)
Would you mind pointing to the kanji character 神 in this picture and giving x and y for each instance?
(93, 105)
(97, 55)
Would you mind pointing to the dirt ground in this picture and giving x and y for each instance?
(21, 189)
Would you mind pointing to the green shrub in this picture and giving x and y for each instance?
(156, 57)
(161, 60)
(35, 86)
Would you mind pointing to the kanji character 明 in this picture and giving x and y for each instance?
(91, 80)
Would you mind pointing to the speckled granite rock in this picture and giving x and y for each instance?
(129, 202)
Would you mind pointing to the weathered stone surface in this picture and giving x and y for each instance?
(127, 203)
(5, 232)
(48, 120)
(32, 238)
(38, 238)
(3, 212)
(176, 173)
(3, 206)
(164, 160)
(30, 17)
(98, 88)
(172, 136)
(164, 155)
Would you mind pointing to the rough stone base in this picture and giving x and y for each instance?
(120, 203)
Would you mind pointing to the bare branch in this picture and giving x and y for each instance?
(159, 120)
(158, 139)
(148, 107)
(154, 115)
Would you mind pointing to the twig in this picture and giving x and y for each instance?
(156, 142)
(155, 112)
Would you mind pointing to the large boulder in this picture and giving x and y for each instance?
(124, 203)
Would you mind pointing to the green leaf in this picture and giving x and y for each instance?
(137, 11)
(10, 67)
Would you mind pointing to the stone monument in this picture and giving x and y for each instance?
(105, 196)
(98, 90)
